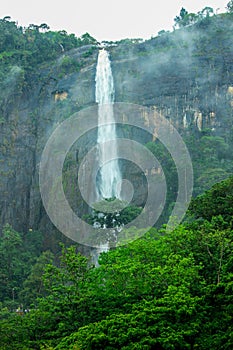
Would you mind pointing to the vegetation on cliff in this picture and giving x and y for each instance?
(163, 291)
(35, 44)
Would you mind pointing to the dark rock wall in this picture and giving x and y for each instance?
(28, 119)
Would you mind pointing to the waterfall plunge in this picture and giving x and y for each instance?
(108, 184)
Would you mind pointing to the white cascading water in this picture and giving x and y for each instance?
(108, 185)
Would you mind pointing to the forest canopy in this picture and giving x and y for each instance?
(163, 291)
(35, 44)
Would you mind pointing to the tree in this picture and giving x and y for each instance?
(216, 201)
(163, 32)
(33, 286)
(230, 6)
(10, 264)
(181, 19)
(87, 39)
(44, 27)
(206, 12)
(185, 18)
(155, 288)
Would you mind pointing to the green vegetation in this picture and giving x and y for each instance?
(26, 48)
(18, 253)
(186, 19)
(163, 291)
(211, 159)
(112, 212)
(230, 6)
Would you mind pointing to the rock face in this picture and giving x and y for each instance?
(186, 75)
(183, 75)
(28, 120)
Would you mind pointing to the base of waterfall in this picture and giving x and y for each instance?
(108, 218)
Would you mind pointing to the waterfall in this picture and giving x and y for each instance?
(108, 183)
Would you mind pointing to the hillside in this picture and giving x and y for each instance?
(185, 75)
(166, 290)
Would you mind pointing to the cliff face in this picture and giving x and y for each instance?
(186, 75)
(28, 119)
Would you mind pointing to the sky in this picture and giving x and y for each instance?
(105, 19)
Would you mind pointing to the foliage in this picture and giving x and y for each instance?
(163, 291)
(216, 201)
(112, 212)
(35, 45)
(186, 19)
(87, 39)
(170, 291)
(169, 169)
(18, 253)
(230, 6)
(33, 286)
(11, 266)
(211, 160)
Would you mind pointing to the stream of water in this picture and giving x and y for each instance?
(108, 184)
